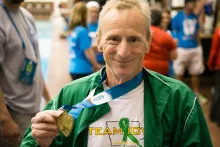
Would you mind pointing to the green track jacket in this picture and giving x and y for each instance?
(172, 114)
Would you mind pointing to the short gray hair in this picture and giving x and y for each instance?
(141, 5)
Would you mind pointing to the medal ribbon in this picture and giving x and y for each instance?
(105, 96)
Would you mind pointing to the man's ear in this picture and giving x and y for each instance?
(100, 48)
(148, 45)
(98, 41)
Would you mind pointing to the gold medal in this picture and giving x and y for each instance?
(65, 123)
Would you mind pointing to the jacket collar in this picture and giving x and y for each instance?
(155, 83)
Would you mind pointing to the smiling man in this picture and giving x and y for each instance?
(123, 104)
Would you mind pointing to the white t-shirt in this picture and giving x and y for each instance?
(129, 108)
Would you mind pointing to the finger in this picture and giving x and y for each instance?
(42, 117)
(43, 133)
(53, 113)
(44, 142)
(45, 126)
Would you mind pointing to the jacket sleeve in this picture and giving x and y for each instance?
(195, 131)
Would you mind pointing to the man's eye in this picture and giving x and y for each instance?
(133, 39)
(113, 39)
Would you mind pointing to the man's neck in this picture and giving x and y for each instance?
(113, 80)
(10, 6)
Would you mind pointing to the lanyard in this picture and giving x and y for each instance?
(19, 34)
(105, 96)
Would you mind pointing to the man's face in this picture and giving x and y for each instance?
(123, 41)
(93, 14)
(15, 1)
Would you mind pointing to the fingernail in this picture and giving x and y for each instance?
(60, 111)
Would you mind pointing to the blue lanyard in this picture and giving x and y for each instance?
(105, 96)
(19, 34)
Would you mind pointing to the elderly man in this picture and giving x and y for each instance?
(138, 107)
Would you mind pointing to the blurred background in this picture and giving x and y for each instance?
(51, 20)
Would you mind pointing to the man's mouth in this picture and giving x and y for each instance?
(123, 61)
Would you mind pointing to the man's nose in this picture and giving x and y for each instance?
(123, 49)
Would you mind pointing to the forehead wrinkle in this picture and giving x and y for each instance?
(113, 20)
(127, 33)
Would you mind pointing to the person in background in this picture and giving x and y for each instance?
(185, 28)
(21, 80)
(82, 57)
(133, 106)
(214, 65)
(165, 22)
(162, 49)
(93, 15)
(166, 26)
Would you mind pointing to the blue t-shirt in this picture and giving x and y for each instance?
(78, 42)
(92, 33)
(92, 27)
(185, 28)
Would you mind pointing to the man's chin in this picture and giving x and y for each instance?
(123, 73)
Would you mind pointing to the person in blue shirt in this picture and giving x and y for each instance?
(185, 28)
(82, 57)
(93, 15)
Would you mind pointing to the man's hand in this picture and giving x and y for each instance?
(10, 132)
(44, 127)
(9, 129)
